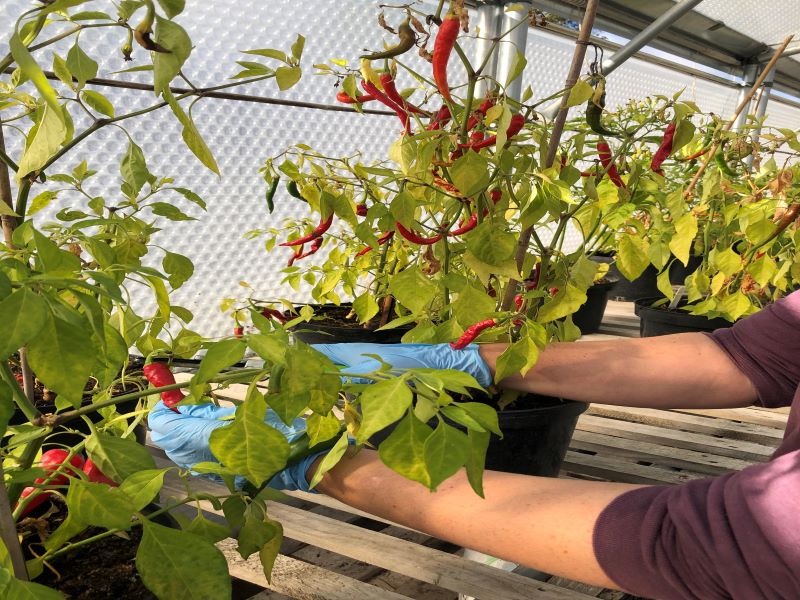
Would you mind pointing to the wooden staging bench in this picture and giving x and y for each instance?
(333, 552)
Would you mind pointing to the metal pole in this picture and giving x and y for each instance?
(514, 12)
(749, 77)
(647, 34)
(761, 110)
(490, 14)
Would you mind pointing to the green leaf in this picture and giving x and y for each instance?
(473, 305)
(142, 487)
(99, 504)
(735, 305)
(260, 534)
(81, 65)
(308, 380)
(382, 404)
(727, 261)
(470, 173)
(483, 414)
(23, 314)
(763, 269)
(684, 132)
(162, 296)
(413, 290)
(446, 451)
(685, 232)
(632, 258)
(12, 588)
(580, 93)
(565, 302)
(330, 460)
(56, 340)
(61, 70)
(298, 46)
(118, 458)
(403, 207)
(220, 355)
(170, 211)
(172, 8)
(133, 168)
(479, 443)
(249, 446)
(404, 450)
(490, 244)
(90, 15)
(269, 53)
(664, 284)
(287, 77)
(98, 102)
(52, 259)
(365, 307)
(31, 70)
(517, 67)
(270, 347)
(518, 357)
(5, 210)
(168, 561)
(207, 529)
(321, 428)
(44, 141)
(166, 66)
(178, 267)
(191, 136)
(191, 196)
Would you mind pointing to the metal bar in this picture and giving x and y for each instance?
(761, 110)
(514, 12)
(490, 14)
(748, 78)
(648, 34)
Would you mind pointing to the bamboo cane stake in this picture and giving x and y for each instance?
(745, 102)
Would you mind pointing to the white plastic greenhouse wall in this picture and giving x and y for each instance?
(242, 135)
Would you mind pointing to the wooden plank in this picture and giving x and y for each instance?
(640, 451)
(749, 451)
(622, 470)
(300, 580)
(426, 564)
(743, 415)
(701, 424)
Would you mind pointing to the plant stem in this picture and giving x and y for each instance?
(27, 375)
(439, 9)
(8, 532)
(25, 461)
(9, 222)
(558, 127)
(22, 402)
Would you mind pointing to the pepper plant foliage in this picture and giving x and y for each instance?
(76, 242)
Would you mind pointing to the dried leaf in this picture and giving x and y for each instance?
(423, 52)
(382, 22)
(416, 24)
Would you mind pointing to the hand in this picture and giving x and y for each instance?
(408, 356)
(184, 436)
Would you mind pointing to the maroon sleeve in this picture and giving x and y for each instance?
(766, 347)
(735, 536)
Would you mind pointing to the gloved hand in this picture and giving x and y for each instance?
(184, 436)
(408, 356)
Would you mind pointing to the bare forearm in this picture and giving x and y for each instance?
(685, 370)
(543, 523)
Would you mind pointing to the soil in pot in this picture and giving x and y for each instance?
(590, 315)
(660, 320)
(331, 325)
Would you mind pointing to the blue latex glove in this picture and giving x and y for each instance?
(408, 356)
(184, 436)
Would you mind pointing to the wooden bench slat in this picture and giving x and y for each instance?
(774, 419)
(624, 471)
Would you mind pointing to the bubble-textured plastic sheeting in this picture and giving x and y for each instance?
(242, 135)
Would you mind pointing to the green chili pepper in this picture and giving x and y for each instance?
(271, 194)
(594, 111)
(407, 40)
(722, 164)
(293, 190)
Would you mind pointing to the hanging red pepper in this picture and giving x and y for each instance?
(664, 150)
(480, 114)
(414, 237)
(533, 281)
(320, 229)
(316, 244)
(514, 127)
(391, 92)
(343, 97)
(238, 332)
(519, 300)
(441, 119)
(466, 226)
(294, 256)
(471, 333)
(95, 475)
(159, 375)
(372, 89)
(442, 48)
(272, 313)
(381, 241)
(604, 151)
(51, 461)
(361, 210)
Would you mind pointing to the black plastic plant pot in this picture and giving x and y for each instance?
(536, 436)
(334, 328)
(678, 272)
(643, 286)
(589, 316)
(663, 321)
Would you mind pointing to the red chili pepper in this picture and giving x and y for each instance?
(514, 127)
(271, 313)
(321, 228)
(361, 210)
(51, 460)
(697, 154)
(414, 237)
(471, 333)
(441, 119)
(604, 151)
(316, 244)
(238, 332)
(466, 226)
(553, 291)
(496, 195)
(664, 150)
(442, 48)
(372, 89)
(446, 186)
(479, 114)
(391, 92)
(343, 97)
(95, 475)
(519, 300)
(533, 282)
(381, 240)
(159, 375)
(294, 256)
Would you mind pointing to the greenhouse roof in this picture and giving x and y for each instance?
(721, 34)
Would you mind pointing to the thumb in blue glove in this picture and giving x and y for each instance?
(185, 435)
(407, 356)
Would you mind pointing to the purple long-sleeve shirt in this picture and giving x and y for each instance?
(735, 536)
